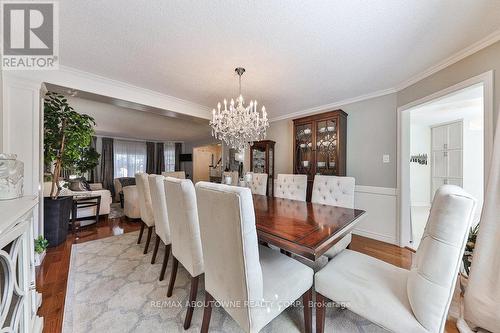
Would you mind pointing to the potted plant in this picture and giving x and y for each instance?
(467, 257)
(67, 134)
(41, 245)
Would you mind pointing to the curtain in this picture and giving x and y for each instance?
(482, 296)
(93, 172)
(160, 158)
(107, 165)
(178, 150)
(169, 153)
(150, 160)
(130, 158)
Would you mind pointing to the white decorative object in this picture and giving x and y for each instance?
(11, 177)
(238, 124)
(20, 301)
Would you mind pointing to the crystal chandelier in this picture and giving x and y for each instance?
(237, 124)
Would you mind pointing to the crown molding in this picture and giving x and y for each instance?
(127, 85)
(330, 106)
(462, 54)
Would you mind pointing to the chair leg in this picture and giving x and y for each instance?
(146, 248)
(141, 232)
(165, 262)
(207, 312)
(155, 251)
(307, 302)
(173, 274)
(192, 300)
(320, 313)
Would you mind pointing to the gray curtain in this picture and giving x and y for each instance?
(150, 157)
(160, 157)
(93, 172)
(107, 165)
(178, 150)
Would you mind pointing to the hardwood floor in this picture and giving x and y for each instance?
(52, 275)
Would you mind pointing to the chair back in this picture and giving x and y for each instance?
(292, 187)
(234, 177)
(333, 191)
(258, 184)
(184, 228)
(145, 206)
(159, 203)
(230, 248)
(174, 174)
(431, 282)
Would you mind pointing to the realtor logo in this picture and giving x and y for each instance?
(30, 35)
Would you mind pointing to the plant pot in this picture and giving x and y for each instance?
(464, 280)
(56, 213)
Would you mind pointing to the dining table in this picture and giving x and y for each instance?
(302, 228)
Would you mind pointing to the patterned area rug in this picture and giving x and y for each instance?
(112, 287)
(115, 211)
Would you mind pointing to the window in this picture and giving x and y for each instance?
(169, 153)
(129, 158)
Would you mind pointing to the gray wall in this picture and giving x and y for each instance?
(371, 133)
(480, 62)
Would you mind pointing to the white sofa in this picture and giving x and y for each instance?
(106, 199)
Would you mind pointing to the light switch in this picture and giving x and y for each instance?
(386, 158)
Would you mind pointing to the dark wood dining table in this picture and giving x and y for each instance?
(302, 228)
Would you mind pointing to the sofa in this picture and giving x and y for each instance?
(120, 183)
(96, 189)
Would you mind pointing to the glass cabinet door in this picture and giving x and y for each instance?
(304, 149)
(259, 159)
(326, 147)
(270, 178)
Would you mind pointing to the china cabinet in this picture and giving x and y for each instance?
(19, 300)
(319, 146)
(262, 161)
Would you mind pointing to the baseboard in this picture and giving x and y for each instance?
(376, 236)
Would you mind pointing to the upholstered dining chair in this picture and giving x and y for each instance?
(145, 207)
(334, 191)
(237, 269)
(292, 187)
(174, 174)
(162, 228)
(185, 232)
(258, 184)
(400, 300)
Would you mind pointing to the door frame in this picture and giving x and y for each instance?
(403, 145)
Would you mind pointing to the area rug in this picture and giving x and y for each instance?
(112, 287)
(115, 211)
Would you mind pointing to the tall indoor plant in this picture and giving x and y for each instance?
(67, 136)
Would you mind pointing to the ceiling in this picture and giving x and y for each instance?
(298, 54)
(121, 122)
(463, 104)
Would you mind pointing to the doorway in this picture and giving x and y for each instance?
(205, 159)
(444, 138)
(446, 147)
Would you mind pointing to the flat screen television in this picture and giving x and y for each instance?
(186, 157)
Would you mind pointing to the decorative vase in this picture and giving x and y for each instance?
(11, 177)
(464, 280)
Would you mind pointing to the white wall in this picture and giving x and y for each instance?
(473, 156)
(420, 174)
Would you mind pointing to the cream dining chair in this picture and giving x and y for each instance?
(334, 191)
(237, 269)
(145, 207)
(174, 174)
(185, 232)
(400, 300)
(292, 187)
(258, 184)
(162, 228)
